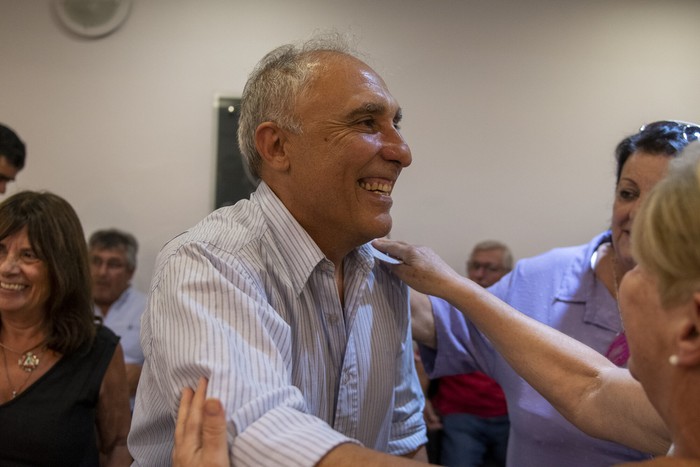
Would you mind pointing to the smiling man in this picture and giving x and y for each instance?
(278, 300)
(12, 156)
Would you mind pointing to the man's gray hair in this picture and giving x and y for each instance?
(496, 245)
(109, 239)
(272, 89)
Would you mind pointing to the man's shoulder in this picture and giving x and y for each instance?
(134, 298)
(225, 230)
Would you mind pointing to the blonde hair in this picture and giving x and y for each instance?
(666, 232)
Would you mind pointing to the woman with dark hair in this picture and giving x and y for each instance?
(62, 375)
(573, 290)
(657, 400)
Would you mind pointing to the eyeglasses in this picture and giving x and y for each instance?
(475, 266)
(112, 264)
(690, 130)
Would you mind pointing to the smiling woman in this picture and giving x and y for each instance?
(660, 303)
(62, 377)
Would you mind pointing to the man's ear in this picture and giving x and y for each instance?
(689, 337)
(270, 142)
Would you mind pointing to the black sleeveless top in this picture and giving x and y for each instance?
(53, 422)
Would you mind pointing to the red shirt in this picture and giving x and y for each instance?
(473, 393)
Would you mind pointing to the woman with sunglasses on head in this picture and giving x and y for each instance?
(570, 289)
(660, 306)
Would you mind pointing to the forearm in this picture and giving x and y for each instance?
(118, 457)
(579, 382)
(351, 455)
(113, 414)
(133, 372)
(584, 386)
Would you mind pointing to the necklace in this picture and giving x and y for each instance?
(28, 360)
(7, 375)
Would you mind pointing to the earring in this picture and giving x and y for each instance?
(673, 360)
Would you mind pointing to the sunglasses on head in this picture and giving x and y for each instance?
(690, 130)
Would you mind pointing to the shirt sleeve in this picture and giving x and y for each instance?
(461, 348)
(209, 317)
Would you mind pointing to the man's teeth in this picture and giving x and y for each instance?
(5, 285)
(378, 187)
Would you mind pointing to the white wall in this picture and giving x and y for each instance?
(512, 107)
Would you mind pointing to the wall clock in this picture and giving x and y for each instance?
(92, 18)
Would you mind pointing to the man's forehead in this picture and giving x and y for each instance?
(337, 68)
(491, 252)
(111, 251)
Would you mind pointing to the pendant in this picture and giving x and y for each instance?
(28, 362)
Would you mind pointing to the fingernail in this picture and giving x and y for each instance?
(212, 407)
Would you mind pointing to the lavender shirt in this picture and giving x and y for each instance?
(559, 289)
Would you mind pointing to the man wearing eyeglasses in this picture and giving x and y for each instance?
(471, 407)
(489, 261)
(112, 256)
(12, 156)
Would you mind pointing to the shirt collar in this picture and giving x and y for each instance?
(298, 252)
(117, 303)
(577, 280)
(579, 284)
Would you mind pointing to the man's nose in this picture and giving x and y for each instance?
(99, 269)
(395, 148)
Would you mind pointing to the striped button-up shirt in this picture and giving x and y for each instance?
(247, 299)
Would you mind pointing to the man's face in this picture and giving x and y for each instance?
(8, 172)
(110, 274)
(485, 267)
(349, 154)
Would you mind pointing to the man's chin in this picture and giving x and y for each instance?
(381, 225)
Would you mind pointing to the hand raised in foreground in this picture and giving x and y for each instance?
(200, 431)
(421, 268)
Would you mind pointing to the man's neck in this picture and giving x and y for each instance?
(104, 308)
